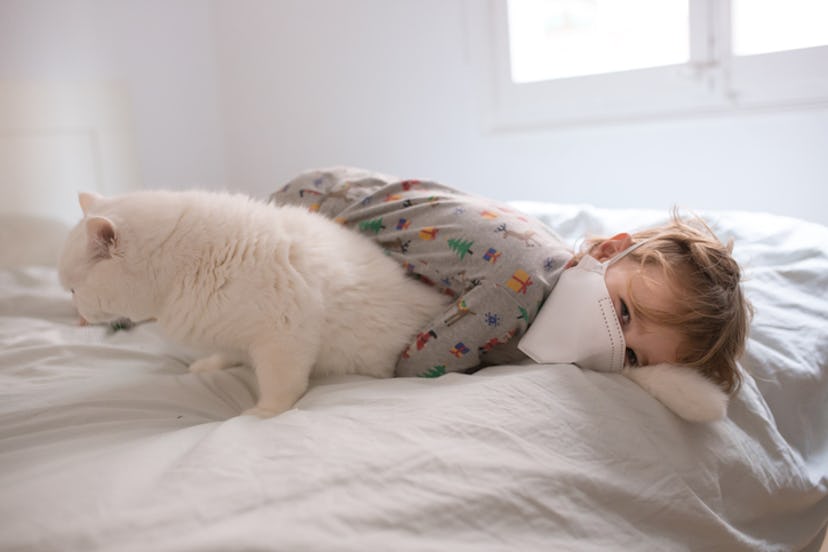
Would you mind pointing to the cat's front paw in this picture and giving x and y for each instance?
(261, 412)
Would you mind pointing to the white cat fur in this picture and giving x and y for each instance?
(683, 390)
(292, 291)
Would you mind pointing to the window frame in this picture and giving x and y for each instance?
(712, 82)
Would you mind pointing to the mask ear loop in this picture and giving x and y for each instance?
(626, 252)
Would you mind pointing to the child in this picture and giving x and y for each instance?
(666, 295)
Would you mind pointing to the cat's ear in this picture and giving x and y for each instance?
(87, 200)
(102, 237)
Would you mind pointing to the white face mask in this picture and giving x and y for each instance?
(578, 323)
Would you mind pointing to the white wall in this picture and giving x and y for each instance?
(376, 83)
(160, 53)
(245, 93)
(390, 85)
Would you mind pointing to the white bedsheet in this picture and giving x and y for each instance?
(108, 443)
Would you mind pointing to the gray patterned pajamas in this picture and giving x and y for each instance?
(497, 265)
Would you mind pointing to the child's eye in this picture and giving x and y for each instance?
(632, 359)
(625, 313)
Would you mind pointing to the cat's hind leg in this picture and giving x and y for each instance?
(282, 370)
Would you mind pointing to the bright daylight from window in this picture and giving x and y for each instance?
(552, 39)
(763, 26)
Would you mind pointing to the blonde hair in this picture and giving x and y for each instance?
(710, 311)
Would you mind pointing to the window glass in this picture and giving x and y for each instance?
(551, 39)
(763, 26)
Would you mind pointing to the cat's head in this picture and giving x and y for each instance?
(101, 265)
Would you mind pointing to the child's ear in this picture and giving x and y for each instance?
(101, 237)
(611, 247)
(86, 200)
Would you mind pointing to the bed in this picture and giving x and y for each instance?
(107, 442)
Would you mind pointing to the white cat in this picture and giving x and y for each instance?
(293, 292)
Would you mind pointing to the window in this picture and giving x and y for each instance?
(561, 62)
(550, 39)
(764, 26)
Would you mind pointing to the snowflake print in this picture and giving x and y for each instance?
(492, 319)
(549, 264)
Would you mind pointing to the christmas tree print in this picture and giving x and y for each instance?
(434, 372)
(524, 314)
(461, 247)
(374, 226)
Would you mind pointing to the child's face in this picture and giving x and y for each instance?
(647, 343)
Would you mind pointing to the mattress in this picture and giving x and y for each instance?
(107, 442)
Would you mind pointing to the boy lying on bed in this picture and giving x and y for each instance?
(662, 305)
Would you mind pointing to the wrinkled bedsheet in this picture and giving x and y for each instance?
(107, 442)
